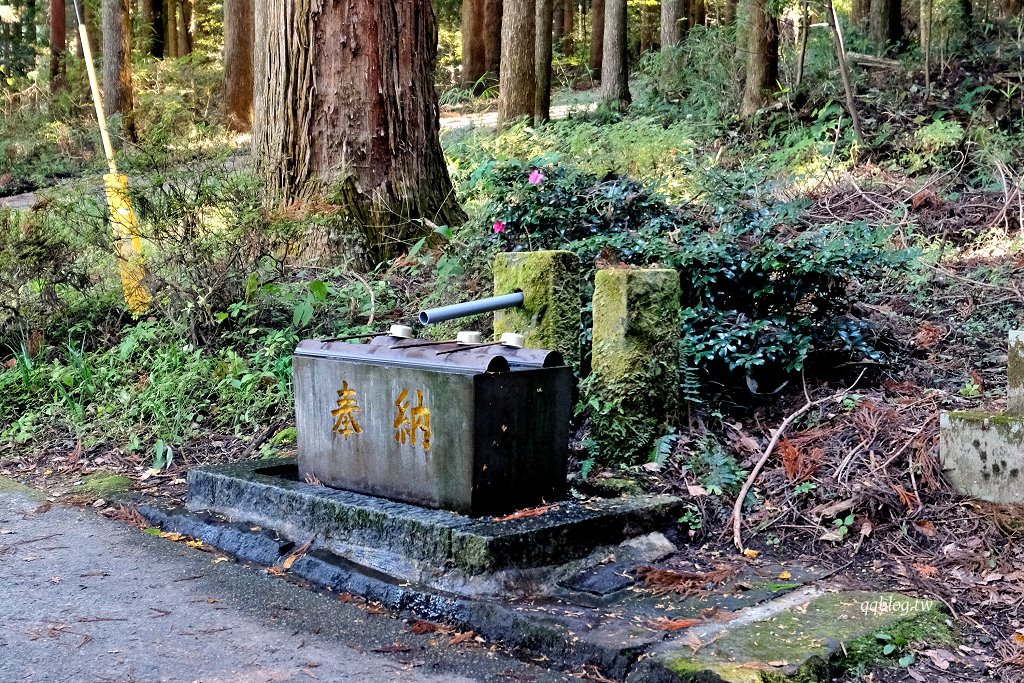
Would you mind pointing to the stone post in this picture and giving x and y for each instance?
(550, 317)
(635, 359)
(1015, 375)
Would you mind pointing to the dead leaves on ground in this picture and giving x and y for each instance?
(672, 625)
(662, 581)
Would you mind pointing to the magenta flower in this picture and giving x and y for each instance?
(499, 226)
(536, 178)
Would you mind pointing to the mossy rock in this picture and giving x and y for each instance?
(104, 484)
(12, 485)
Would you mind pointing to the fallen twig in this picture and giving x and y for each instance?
(737, 508)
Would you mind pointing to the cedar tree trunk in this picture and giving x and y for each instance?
(542, 66)
(345, 103)
(671, 23)
(58, 46)
(615, 62)
(117, 62)
(494, 10)
(597, 38)
(517, 83)
(567, 22)
(886, 25)
(239, 26)
(762, 59)
(474, 42)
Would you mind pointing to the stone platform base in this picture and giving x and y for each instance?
(983, 455)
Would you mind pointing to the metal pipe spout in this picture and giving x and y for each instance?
(494, 303)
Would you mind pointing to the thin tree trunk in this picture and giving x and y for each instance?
(615, 65)
(171, 27)
(239, 27)
(803, 28)
(518, 64)
(597, 38)
(542, 65)
(650, 13)
(188, 24)
(182, 31)
(79, 50)
(926, 42)
(762, 59)
(58, 46)
(474, 45)
(346, 106)
(495, 11)
(117, 62)
(671, 23)
(568, 19)
(844, 72)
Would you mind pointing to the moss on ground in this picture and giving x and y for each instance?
(104, 484)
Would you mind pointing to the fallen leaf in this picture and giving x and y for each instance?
(528, 512)
(393, 648)
(925, 527)
(925, 569)
(171, 536)
(664, 624)
(940, 658)
(420, 626)
(785, 575)
(345, 597)
(220, 559)
(460, 638)
(299, 552)
(751, 553)
(194, 544)
(696, 491)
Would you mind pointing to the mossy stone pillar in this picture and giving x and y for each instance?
(635, 359)
(550, 317)
(1015, 375)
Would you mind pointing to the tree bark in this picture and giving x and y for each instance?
(597, 38)
(860, 11)
(117, 62)
(730, 12)
(188, 27)
(145, 21)
(182, 31)
(1010, 8)
(58, 46)
(844, 72)
(650, 14)
(559, 23)
(615, 65)
(886, 25)
(171, 28)
(762, 59)
(157, 46)
(474, 42)
(671, 23)
(345, 102)
(697, 12)
(494, 11)
(567, 21)
(542, 62)
(518, 64)
(239, 28)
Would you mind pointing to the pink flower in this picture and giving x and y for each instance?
(536, 178)
(499, 226)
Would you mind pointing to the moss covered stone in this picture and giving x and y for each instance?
(635, 358)
(802, 637)
(550, 315)
(103, 484)
(1015, 374)
(983, 455)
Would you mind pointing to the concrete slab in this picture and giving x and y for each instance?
(983, 455)
(795, 637)
(411, 542)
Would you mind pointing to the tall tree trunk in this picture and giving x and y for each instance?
(58, 46)
(188, 27)
(239, 28)
(494, 12)
(597, 38)
(671, 23)
(542, 62)
(697, 12)
(844, 72)
(615, 65)
(145, 22)
(886, 25)
(345, 102)
(171, 28)
(117, 62)
(182, 33)
(79, 51)
(567, 20)
(157, 46)
(926, 42)
(474, 42)
(650, 13)
(859, 12)
(518, 64)
(559, 24)
(762, 59)
(1010, 8)
(729, 18)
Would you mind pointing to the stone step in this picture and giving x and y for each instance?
(803, 636)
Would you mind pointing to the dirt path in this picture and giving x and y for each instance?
(87, 599)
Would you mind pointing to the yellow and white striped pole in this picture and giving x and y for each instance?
(127, 242)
